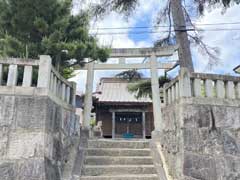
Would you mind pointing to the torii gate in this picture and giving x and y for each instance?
(153, 65)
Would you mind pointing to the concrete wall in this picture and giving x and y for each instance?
(200, 139)
(35, 133)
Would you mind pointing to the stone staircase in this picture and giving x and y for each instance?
(118, 160)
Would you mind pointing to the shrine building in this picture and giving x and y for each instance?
(121, 113)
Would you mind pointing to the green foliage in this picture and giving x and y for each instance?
(143, 88)
(68, 72)
(126, 7)
(30, 28)
(201, 5)
(92, 122)
(129, 75)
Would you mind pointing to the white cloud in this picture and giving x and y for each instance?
(115, 20)
(227, 41)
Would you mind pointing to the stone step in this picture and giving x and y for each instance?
(106, 143)
(97, 170)
(122, 177)
(117, 152)
(118, 160)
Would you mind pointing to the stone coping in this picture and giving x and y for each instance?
(207, 101)
(61, 78)
(19, 61)
(34, 92)
(215, 77)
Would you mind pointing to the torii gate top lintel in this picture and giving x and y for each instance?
(123, 53)
(143, 52)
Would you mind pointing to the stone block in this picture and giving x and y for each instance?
(7, 171)
(52, 172)
(199, 166)
(30, 112)
(196, 116)
(228, 167)
(48, 145)
(7, 104)
(31, 169)
(25, 145)
(230, 145)
(227, 117)
(4, 134)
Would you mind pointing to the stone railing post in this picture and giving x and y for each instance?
(173, 93)
(27, 76)
(63, 91)
(177, 90)
(238, 90)
(44, 72)
(230, 91)
(185, 83)
(74, 85)
(12, 75)
(165, 95)
(220, 89)
(209, 88)
(68, 94)
(1, 73)
(197, 87)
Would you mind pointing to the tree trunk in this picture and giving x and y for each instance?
(184, 52)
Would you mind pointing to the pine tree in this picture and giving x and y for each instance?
(29, 28)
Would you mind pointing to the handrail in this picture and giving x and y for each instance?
(201, 85)
(20, 61)
(48, 77)
(60, 77)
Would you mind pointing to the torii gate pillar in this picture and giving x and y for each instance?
(88, 96)
(157, 113)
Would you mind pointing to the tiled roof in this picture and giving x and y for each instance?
(115, 90)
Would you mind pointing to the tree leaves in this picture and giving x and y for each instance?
(47, 27)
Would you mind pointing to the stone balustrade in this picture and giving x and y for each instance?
(201, 85)
(171, 91)
(17, 76)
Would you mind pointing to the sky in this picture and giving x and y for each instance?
(227, 42)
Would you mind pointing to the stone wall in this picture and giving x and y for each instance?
(35, 136)
(200, 139)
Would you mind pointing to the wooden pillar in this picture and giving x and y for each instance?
(113, 124)
(144, 124)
